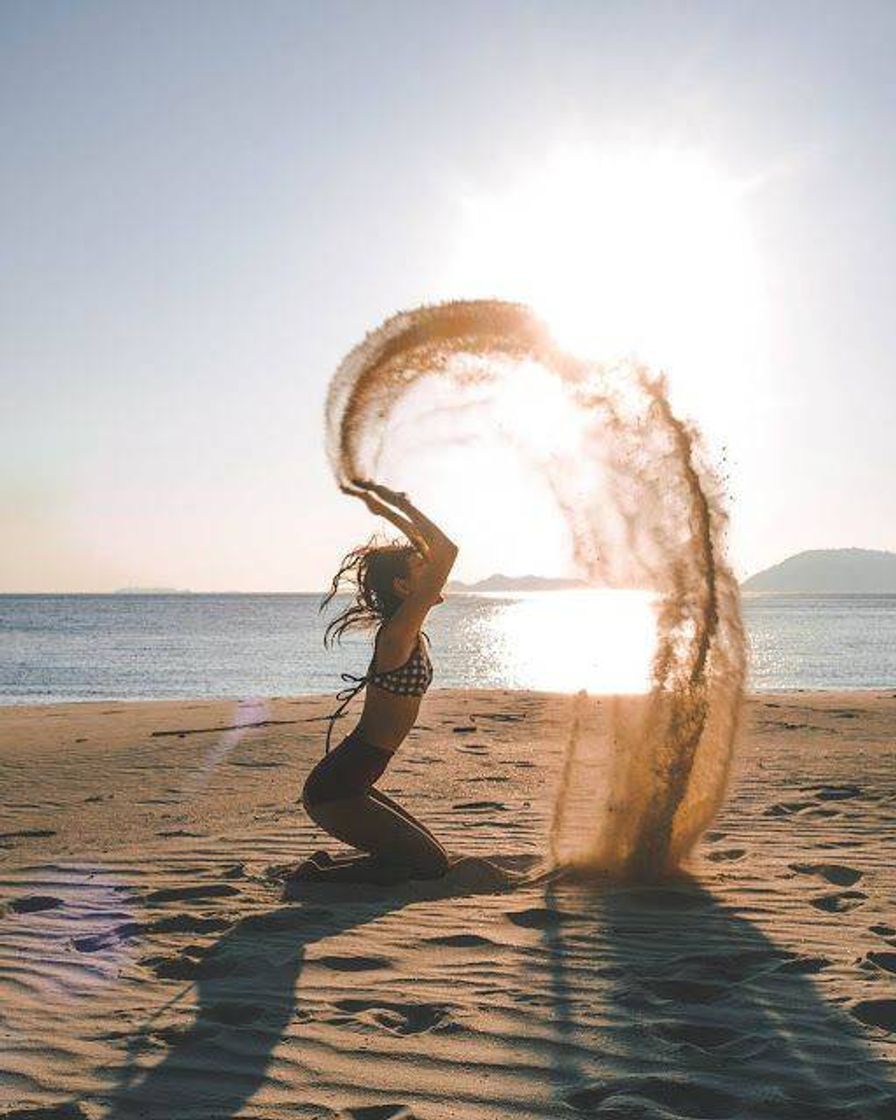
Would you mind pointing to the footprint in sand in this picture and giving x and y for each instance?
(882, 959)
(353, 964)
(176, 1036)
(108, 940)
(66, 1111)
(804, 966)
(396, 1018)
(876, 1013)
(787, 808)
(641, 1096)
(726, 855)
(540, 917)
(838, 874)
(187, 894)
(188, 923)
(841, 902)
(194, 963)
(34, 903)
(379, 1112)
(833, 793)
(461, 940)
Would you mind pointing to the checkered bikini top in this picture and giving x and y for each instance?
(412, 678)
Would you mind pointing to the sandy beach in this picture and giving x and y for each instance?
(149, 968)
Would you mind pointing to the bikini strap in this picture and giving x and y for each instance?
(345, 696)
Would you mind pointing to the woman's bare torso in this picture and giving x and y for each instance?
(386, 717)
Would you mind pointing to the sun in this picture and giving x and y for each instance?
(642, 253)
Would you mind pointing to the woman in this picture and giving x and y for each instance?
(396, 586)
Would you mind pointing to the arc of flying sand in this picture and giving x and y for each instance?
(640, 505)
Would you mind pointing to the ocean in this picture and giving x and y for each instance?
(100, 647)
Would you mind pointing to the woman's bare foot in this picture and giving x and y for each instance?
(321, 865)
(352, 869)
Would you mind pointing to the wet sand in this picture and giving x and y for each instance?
(148, 966)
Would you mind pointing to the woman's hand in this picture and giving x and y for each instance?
(395, 498)
(380, 509)
(373, 504)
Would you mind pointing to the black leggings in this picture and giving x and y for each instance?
(348, 770)
(339, 796)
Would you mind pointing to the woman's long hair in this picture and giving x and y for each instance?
(369, 571)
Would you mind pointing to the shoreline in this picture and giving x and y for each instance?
(755, 694)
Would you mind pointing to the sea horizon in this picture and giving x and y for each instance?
(82, 646)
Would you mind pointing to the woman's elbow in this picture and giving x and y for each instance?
(441, 559)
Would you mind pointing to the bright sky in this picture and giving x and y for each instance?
(203, 206)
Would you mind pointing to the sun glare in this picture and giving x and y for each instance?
(598, 640)
(644, 253)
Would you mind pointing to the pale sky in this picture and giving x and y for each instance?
(204, 206)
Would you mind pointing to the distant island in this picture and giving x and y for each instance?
(152, 591)
(819, 570)
(499, 582)
(829, 570)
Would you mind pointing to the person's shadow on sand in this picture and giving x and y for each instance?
(699, 1013)
(708, 1017)
(247, 994)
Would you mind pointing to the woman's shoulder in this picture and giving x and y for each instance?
(393, 645)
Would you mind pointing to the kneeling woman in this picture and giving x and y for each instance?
(396, 585)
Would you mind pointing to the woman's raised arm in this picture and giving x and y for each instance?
(437, 549)
(380, 509)
(438, 544)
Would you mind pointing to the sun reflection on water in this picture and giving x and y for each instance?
(563, 641)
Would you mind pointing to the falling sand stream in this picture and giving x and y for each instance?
(643, 508)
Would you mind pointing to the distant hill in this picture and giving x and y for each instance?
(829, 570)
(499, 582)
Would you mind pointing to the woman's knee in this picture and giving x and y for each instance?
(318, 806)
(320, 809)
